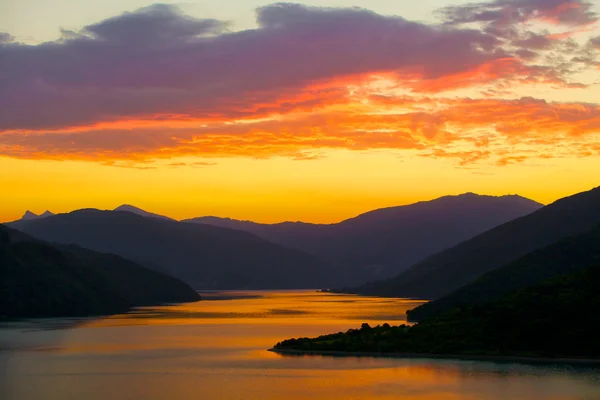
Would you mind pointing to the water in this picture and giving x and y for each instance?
(216, 349)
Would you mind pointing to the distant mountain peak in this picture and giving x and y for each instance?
(29, 215)
(139, 211)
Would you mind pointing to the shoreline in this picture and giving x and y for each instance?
(463, 357)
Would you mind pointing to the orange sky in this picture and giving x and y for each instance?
(207, 120)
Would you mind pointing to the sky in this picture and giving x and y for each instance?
(314, 111)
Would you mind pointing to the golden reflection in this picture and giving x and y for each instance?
(217, 349)
(280, 308)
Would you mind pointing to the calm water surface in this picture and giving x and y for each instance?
(216, 349)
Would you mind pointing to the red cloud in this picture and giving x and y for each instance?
(469, 129)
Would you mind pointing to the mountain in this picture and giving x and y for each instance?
(451, 269)
(41, 280)
(383, 242)
(29, 215)
(139, 211)
(205, 256)
(566, 256)
(556, 318)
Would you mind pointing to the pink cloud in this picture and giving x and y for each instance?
(158, 61)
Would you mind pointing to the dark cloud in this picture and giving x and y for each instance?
(511, 21)
(6, 38)
(159, 61)
(154, 26)
(502, 13)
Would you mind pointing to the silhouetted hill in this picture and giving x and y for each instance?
(139, 211)
(383, 242)
(205, 256)
(556, 318)
(40, 280)
(565, 256)
(451, 269)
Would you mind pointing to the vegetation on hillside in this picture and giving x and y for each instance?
(40, 280)
(565, 256)
(530, 322)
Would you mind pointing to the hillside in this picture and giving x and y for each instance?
(552, 319)
(566, 256)
(451, 269)
(204, 256)
(40, 280)
(383, 242)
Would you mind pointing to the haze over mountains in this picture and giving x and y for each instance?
(451, 269)
(211, 252)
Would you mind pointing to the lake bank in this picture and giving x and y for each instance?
(465, 357)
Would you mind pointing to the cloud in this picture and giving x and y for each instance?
(465, 157)
(158, 84)
(519, 24)
(471, 130)
(6, 38)
(504, 13)
(158, 61)
(197, 164)
(512, 160)
(153, 27)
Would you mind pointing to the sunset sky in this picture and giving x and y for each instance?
(294, 111)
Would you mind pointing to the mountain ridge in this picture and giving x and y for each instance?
(381, 243)
(205, 256)
(448, 270)
(291, 222)
(373, 245)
